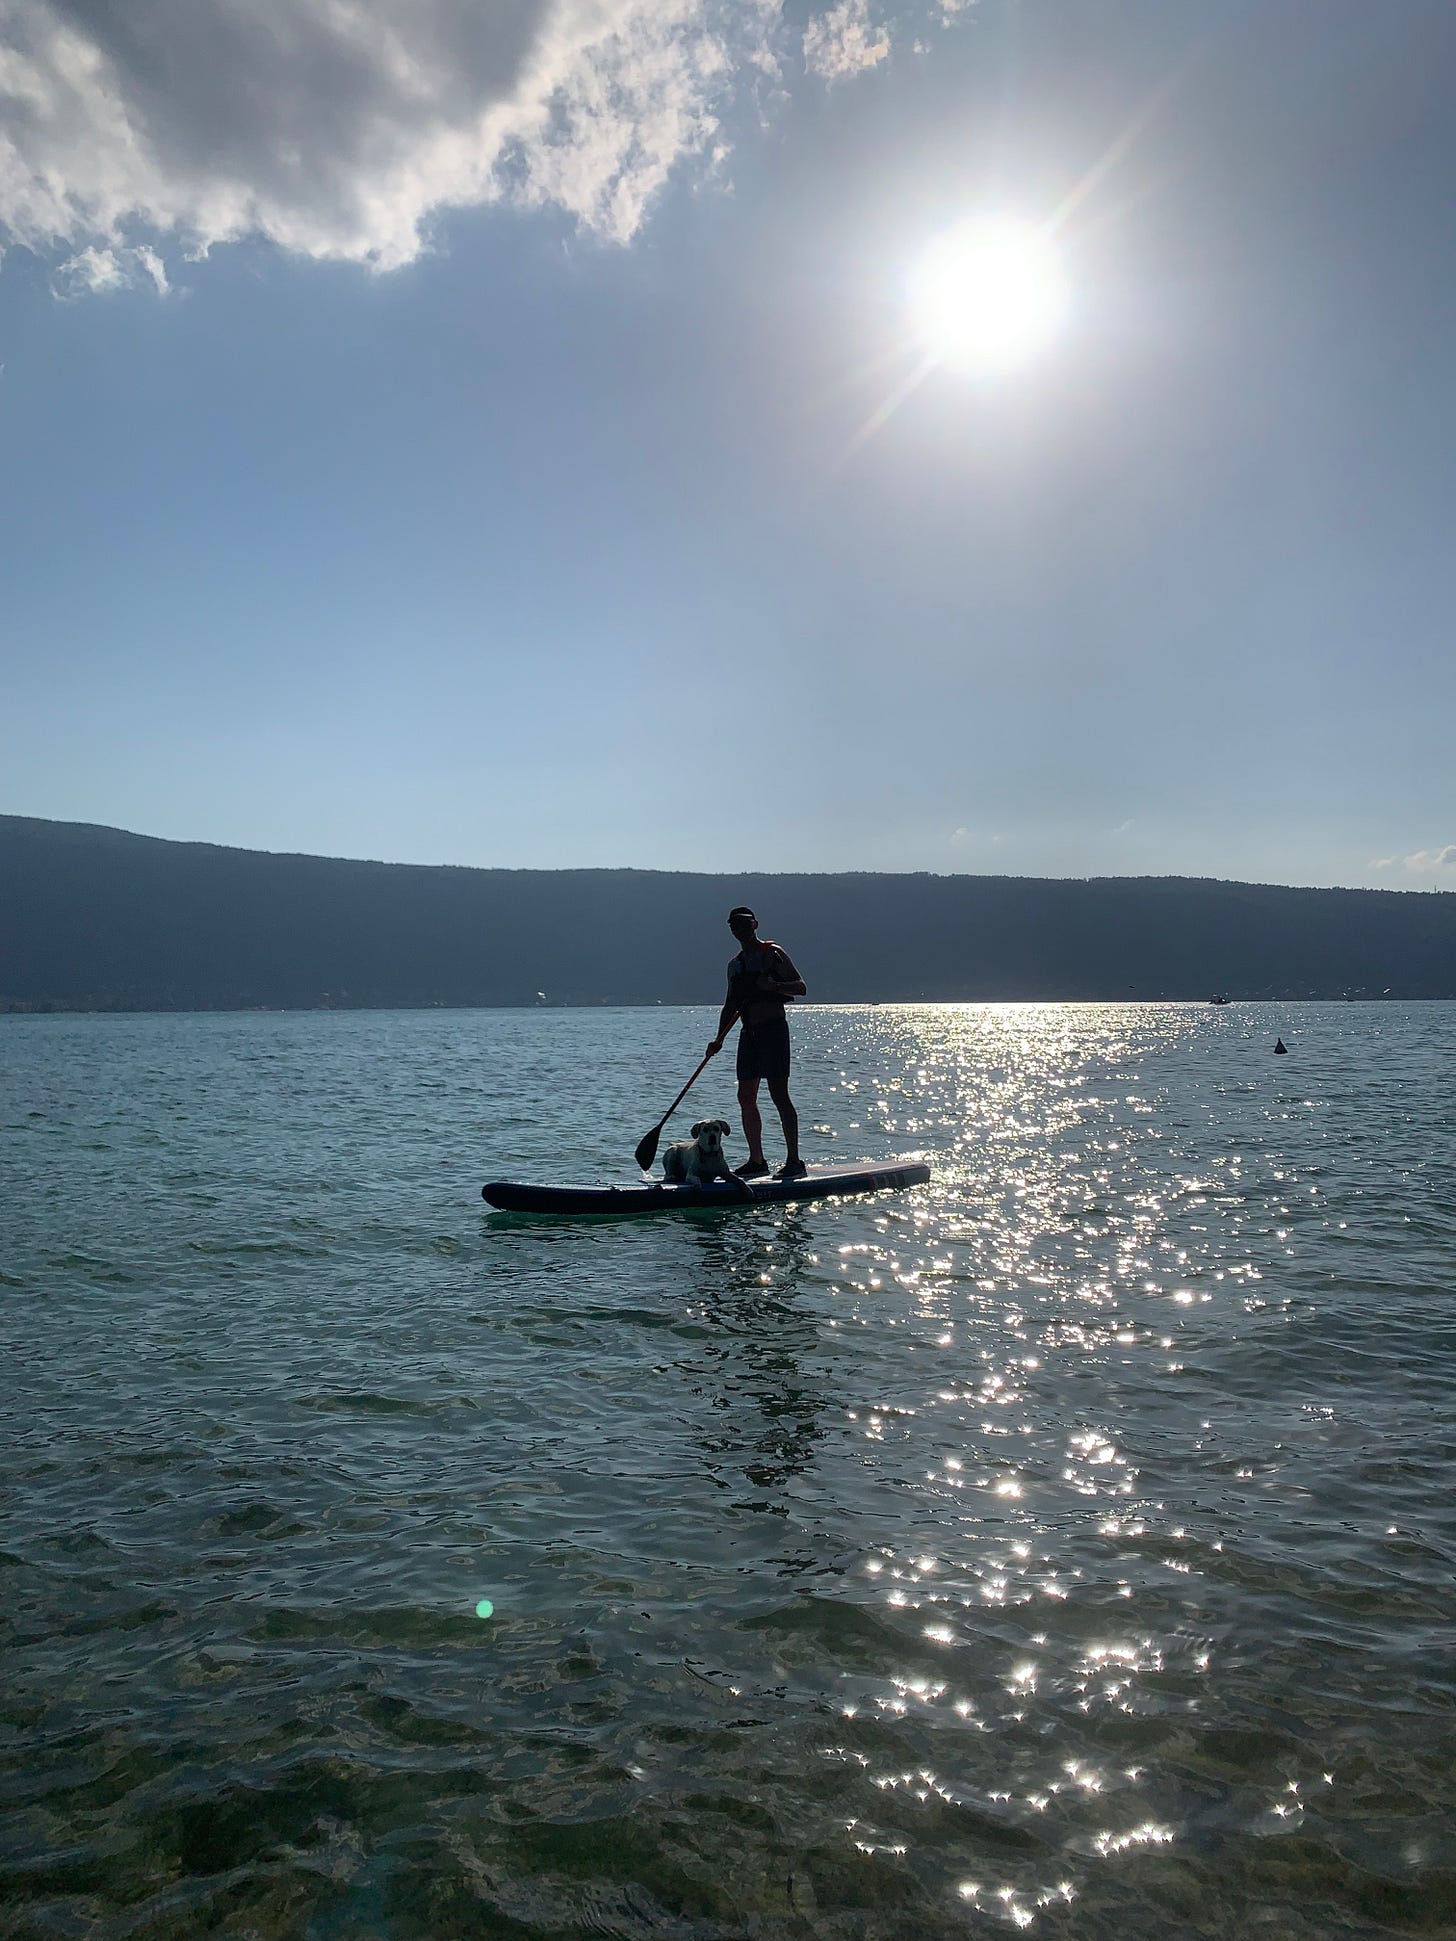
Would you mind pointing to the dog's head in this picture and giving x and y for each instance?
(710, 1134)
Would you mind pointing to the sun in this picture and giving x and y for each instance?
(988, 296)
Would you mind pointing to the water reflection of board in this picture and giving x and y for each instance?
(819, 1183)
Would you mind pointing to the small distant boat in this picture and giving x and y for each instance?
(1220, 999)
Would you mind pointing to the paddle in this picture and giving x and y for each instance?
(647, 1145)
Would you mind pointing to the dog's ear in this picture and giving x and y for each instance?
(693, 1131)
(723, 1127)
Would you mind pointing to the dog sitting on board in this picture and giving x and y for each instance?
(695, 1161)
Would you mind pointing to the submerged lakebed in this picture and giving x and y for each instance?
(1065, 1545)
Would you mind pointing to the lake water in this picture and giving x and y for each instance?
(1065, 1546)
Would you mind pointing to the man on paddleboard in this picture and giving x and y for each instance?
(761, 981)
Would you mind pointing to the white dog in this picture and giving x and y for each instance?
(693, 1162)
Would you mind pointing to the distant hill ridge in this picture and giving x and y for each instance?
(98, 919)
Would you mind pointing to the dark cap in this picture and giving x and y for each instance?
(742, 911)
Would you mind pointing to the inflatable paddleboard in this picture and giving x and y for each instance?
(819, 1183)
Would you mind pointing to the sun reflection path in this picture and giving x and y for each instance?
(1087, 1248)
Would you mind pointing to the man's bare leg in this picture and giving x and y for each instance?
(778, 1091)
(752, 1123)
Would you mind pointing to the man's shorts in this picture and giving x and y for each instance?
(763, 1050)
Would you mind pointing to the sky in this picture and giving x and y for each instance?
(515, 434)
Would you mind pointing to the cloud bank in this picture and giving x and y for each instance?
(1423, 862)
(337, 128)
(334, 127)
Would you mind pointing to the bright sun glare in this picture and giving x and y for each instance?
(987, 296)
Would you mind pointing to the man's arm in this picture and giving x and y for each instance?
(784, 980)
(725, 1023)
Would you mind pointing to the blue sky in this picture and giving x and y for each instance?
(501, 436)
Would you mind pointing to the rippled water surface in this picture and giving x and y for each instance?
(1065, 1546)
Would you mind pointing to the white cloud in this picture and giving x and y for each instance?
(1423, 861)
(89, 271)
(337, 129)
(844, 41)
(151, 265)
(94, 270)
(1429, 859)
(334, 128)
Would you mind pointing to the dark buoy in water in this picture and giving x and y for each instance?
(1279, 1045)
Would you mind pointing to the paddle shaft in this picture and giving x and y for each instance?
(647, 1149)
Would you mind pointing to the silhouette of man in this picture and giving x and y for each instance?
(761, 981)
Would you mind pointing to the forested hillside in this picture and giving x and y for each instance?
(94, 918)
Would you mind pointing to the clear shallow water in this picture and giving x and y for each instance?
(1066, 1546)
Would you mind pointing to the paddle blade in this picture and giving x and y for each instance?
(647, 1151)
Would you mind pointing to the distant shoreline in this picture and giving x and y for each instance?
(100, 921)
(706, 1006)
